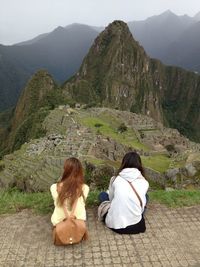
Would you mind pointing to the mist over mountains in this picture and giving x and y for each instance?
(175, 40)
(60, 52)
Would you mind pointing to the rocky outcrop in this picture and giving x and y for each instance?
(187, 177)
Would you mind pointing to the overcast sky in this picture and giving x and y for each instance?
(22, 20)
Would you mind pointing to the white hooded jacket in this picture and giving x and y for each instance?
(125, 206)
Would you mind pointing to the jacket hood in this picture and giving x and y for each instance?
(130, 174)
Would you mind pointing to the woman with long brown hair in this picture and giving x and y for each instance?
(69, 191)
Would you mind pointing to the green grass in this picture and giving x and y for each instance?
(176, 198)
(41, 203)
(92, 199)
(127, 138)
(13, 200)
(158, 162)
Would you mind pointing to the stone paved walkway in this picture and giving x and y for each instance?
(172, 239)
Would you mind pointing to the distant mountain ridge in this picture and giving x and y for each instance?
(60, 52)
(185, 51)
(156, 33)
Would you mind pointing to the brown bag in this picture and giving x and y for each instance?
(70, 230)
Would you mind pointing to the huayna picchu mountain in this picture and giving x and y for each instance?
(118, 73)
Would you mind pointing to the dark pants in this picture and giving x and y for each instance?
(132, 229)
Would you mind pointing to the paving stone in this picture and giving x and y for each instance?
(171, 239)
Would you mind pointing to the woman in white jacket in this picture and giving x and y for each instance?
(127, 193)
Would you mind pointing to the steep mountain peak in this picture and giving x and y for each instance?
(114, 35)
(33, 95)
(32, 107)
(110, 73)
(117, 27)
(168, 12)
(118, 73)
(160, 19)
(58, 29)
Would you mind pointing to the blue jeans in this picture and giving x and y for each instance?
(103, 196)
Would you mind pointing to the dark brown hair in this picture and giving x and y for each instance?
(132, 160)
(72, 181)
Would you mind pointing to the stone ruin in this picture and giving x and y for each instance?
(40, 162)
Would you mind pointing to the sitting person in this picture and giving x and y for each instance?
(70, 191)
(127, 195)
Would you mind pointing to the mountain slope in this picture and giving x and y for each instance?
(185, 51)
(39, 96)
(111, 69)
(12, 79)
(118, 73)
(60, 52)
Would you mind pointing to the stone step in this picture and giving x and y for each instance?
(53, 169)
(23, 163)
(51, 173)
(31, 162)
(40, 184)
(55, 161)
(42, 179)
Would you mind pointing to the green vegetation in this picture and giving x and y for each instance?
(13, 201)
(31, 128)
(127, 137)
(175, 110)
(176, 198)
(122, 128)
(92, 199)
(41, 203)
(158, 162)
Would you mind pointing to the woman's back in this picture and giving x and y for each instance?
(125, 206)
(58, 214)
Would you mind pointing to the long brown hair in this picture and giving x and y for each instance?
(72, 181)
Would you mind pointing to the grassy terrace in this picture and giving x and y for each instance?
(108, 127)
(158, 162)
(42, 203)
